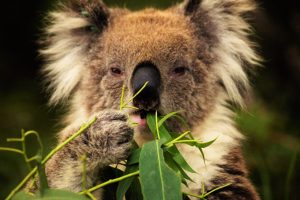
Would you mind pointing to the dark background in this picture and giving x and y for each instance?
(271, 121)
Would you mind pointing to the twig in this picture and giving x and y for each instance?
(34, 170)
(169, 144)
(110, 182)
(125, 105)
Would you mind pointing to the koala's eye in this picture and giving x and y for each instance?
(180, 71)
(116, 71)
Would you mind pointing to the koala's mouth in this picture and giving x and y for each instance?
(139, 117)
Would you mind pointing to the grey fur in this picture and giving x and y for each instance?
(107, 141)
(208, 37)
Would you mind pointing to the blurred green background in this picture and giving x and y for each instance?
(271, 121)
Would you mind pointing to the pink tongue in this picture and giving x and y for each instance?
(139, 120)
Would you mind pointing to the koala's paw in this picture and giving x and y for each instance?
(110, 138)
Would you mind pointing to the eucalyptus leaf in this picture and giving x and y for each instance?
(158, 181)
(50, 194)
(151, 123)
(134, 157)
(164, 134)
(166, 117)
(42, 174)
(173, 165)
(185, 197)
(166, 137)
(196, 143)
(135, 191)
(183, 173)
(124, 185)
(179, 159)
(23, 196)
(202, 154)
(199, 145)
(205, 144)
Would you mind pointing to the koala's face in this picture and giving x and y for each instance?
(154, 46)
(192, 56)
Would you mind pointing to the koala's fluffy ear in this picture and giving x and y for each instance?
(95, 12)
(223, 26)
(70, 31)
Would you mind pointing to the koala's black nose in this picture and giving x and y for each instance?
(149, 97)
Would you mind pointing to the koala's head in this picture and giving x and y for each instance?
(193, 55)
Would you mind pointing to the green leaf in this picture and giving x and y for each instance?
(179, 159)
(23, 196)
(42, 174)
(173, 165)
(162, 120)
(203, 156)
(151, 124)
(185, 197)
(164, 134)
(177, 156)
(134, 157)
(197, 143)
(124, 185)
(166, 137)
(135, 191)
(205, 144)
(158, 181)
(50, 194)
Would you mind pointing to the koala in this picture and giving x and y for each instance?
(195, 57)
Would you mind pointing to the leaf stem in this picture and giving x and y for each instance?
(172, 114)
(203, 188)
(83, 159)
(216, 189)
(135, 95)
(14, 140)
(60, 146)
(204, 195)
(122, 98)
(131, 107)
(125, 105)
(169, 144)
(11, 150)
(21, 184)
(34, 170)
(90, 195)
(110, 182)
(193, 195)
(38, 139)
(156, 126)
(187, 141)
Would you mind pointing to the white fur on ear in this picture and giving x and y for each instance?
(67, 39)
(65, 54)
(233, 49)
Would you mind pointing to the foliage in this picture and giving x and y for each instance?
(38, 157)
(159, 164)
(263, 126)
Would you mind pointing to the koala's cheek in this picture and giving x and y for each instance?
(112, 83)
(174, 99)
(166, 104)
(180, 90)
